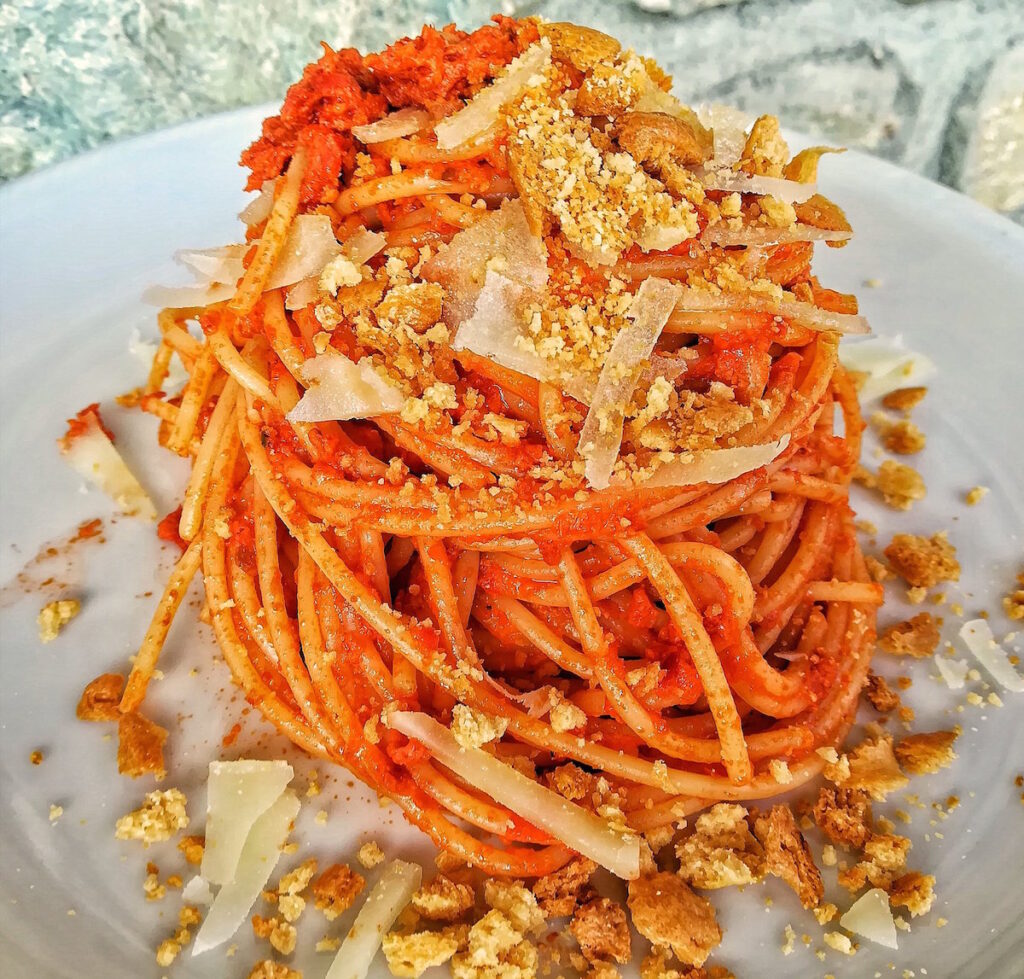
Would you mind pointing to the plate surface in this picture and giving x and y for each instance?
(77, 246)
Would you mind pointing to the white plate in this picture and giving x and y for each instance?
(80, 242)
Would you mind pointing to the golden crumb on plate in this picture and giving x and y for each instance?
(917, 637)
(923, 561)
(162, 815)
(336, 889)
(925, 753)
(53, 616)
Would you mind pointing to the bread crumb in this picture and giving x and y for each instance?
(154, 890)
(270, 970)
(787, 854)
(36, 757)
(923, 754)
(917, 637)
(495, 948)
(370, 855)
(516, 902)
(1013, 604)
(976, 494)
(443, 899)
(840, 942)
(790, 940)
(101, 698)
(282, 935)
(162, 815)
(558, 893)
(901, 437)
(904, 399)
(55, 615)
(923, 561)
(873, 768)
(192, 847)
(336, 889)
(410, 955)
(55, 812)
(473, 728)
(913, 891)
(721, 851)
(601, 928)
(328, 944)
(880, 695)
(780, 771)
(667, 913)
(899, 485)
(140, 746)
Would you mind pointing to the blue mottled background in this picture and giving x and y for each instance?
(935, 85)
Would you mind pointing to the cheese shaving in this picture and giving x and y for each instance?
(889, 364)
(719, 234)
(602, 431)
(340, 389)
(238, 793)
(714, 466)
(790, 191)
(952, 671)
(256, 863)
(576, 827)
(977, 637)
(404, 122)
(381, 908)
(806, 314)
(483, 109)
(310, 245)
(259, 208)
(871, 918)
(93, 456)
(500, 242)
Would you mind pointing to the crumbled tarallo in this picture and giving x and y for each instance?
(559, 893)
(335, 890)
(668, 914)
(923, 561)
(53, 616)
(917, 637)
(410, 955)
(162, 815)
(370, 855)
(473, 728)
(140, 746)
(787, 854)
(443, 899)
(101, 698)
(602, 930)
(924, 753)
(722, 851)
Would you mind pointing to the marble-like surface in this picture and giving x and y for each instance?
(935, 85)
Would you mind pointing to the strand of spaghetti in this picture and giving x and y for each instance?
(221, 419)
(371, 546)
(275, 232)
(465, 575)
(158, 370)
(393, 187)
(179, 339)
(283, 630)
(455, 213)
(687, 620)
(149, 652)
(249, 605)
(245, 375)
(437, 568)
(808, 562)
(776, 538)
(192, 400)
(409, 150)
(219, 601)
(863, 593)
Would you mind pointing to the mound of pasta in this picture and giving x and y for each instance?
(520, 447)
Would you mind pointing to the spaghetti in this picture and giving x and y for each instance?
(671, 637)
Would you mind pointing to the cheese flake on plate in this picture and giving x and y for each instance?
(238, 793)
(256, 863)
